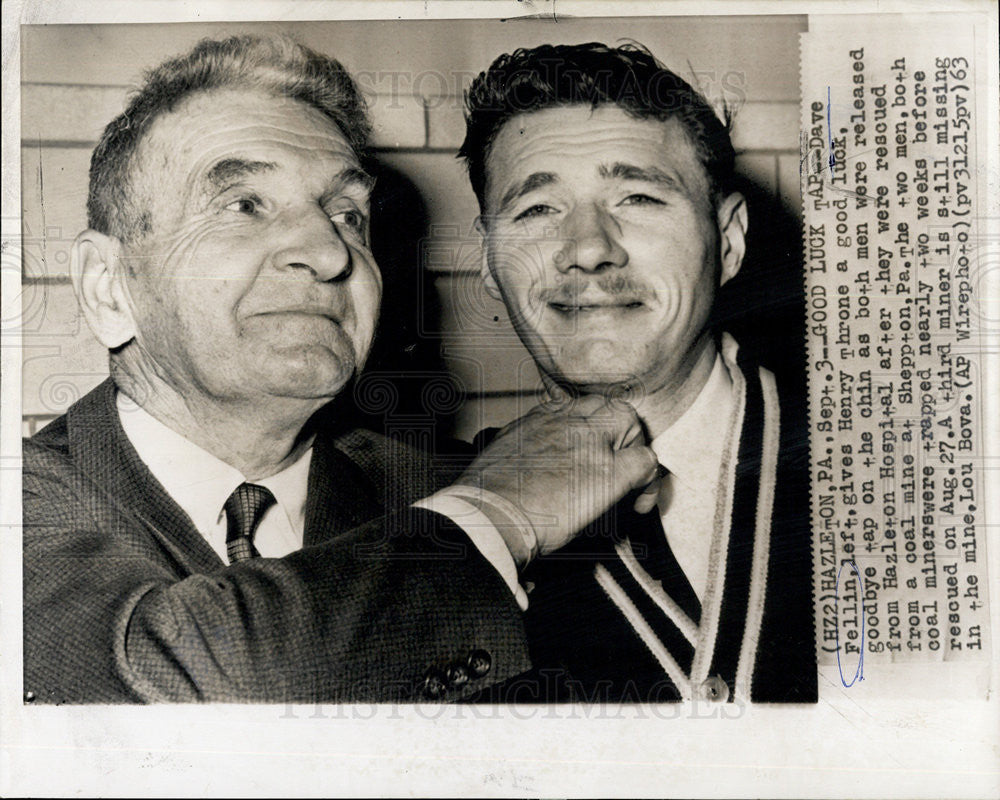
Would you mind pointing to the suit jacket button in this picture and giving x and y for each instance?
(480, 662)
(29, 697)
(435, 684)
(715, 689)
(458, 675)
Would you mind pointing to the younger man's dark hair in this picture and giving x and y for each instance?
(628, 76)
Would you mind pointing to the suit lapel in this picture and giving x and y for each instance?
(99, 445)
(353, 477)
(341, 496)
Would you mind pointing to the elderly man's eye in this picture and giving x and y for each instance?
(243, 205)
(352, 218)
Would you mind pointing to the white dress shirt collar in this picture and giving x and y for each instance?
(692, 447)
(199, 482)
(693, 450)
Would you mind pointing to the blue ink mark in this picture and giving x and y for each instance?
(859, 673)
(829, 130)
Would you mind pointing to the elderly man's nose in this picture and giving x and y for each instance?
(313, 243)
(591, 241)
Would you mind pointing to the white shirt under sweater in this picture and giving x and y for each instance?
(692, 449)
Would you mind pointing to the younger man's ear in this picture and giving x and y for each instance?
(96, 271)
(732, 218)
(484, 267)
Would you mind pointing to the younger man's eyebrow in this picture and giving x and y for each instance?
(631, 172)
(536, 180)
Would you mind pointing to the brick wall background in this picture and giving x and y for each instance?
(74, 80)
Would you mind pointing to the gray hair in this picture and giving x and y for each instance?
(276, 64)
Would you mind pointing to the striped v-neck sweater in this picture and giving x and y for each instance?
(612, 619)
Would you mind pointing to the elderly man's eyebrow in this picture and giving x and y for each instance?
(631, 172)
(536, 180)
(356, 175)
(348, 179)
(231, 170)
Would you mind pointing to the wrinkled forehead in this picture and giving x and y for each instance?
(210, 126)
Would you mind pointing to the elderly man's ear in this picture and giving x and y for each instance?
(96, 269)
(732, 218)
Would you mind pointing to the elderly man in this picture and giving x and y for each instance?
(207, 524)
(609, 222)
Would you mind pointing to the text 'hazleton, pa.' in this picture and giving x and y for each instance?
(894, 261)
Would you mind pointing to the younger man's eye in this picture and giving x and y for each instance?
(642, 200)
(536, 210)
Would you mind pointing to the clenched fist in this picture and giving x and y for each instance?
(563, 464)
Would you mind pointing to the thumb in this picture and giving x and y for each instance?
(629, 429)
(646, 500)
(636, 465)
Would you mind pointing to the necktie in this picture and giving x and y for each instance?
(244, 509)
(662, 565)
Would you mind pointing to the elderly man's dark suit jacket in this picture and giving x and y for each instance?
(124, 601)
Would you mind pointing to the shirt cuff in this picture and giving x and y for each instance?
(482, 532)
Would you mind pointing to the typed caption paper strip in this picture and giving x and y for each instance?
(897, 255)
